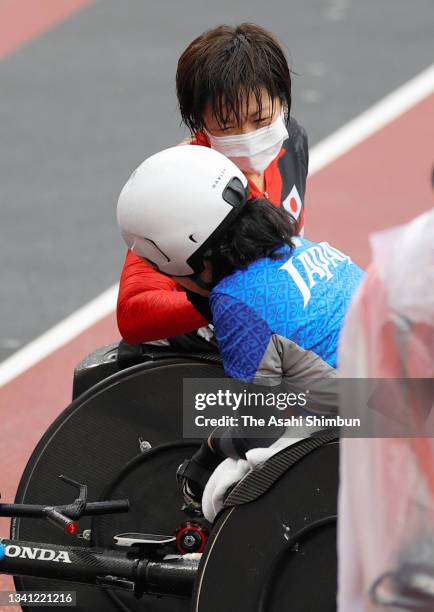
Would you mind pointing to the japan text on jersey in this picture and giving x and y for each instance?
(283, 316)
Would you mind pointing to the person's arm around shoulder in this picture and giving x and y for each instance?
(152, 306)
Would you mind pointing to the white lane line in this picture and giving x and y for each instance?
(325, 152)
(59, 335)
(372, 120)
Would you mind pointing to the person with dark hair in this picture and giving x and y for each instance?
(234, 92)
(261, 231)
(278, 301)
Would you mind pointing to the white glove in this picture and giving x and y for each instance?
(231, 471)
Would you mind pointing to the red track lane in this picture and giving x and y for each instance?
(31, 402)
(383, 181)
(22, 20)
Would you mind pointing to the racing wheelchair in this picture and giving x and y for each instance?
(133, 548)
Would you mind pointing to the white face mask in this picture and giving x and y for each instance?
(254, 151)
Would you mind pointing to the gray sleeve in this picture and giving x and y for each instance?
(285, 367)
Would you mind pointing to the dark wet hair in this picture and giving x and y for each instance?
(260, 230)
(224, 67)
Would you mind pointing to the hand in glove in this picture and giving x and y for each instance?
(193, 474)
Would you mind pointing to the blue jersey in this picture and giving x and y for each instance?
(283, 318)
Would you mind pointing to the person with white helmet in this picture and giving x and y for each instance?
(234, 93)
(278, 301)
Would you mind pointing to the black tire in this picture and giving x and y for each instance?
(278, 552)
(91, 441)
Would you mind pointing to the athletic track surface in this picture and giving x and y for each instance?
(372, 173)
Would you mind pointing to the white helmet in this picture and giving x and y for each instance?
(177, 203)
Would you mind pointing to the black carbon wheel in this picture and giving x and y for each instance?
(278, 552)
(91, 441)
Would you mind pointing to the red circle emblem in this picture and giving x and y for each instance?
(293, 204)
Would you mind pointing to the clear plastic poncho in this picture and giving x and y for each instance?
(386, 504)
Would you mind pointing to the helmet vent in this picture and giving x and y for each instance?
(235, 193)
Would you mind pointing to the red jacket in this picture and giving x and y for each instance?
(152, 306)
